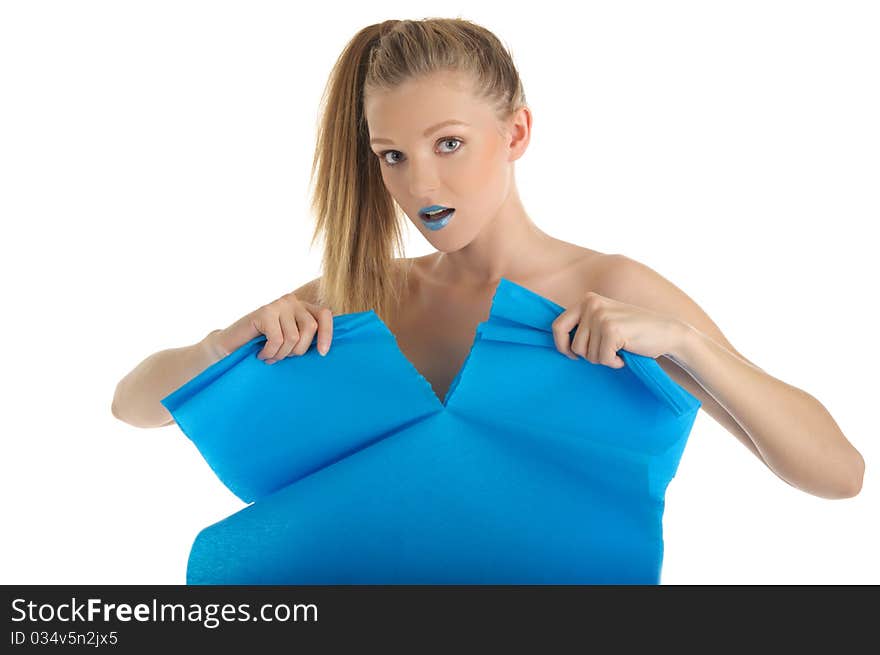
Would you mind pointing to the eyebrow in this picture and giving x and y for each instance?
(427, 132)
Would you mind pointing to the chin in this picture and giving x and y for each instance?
(451, 238)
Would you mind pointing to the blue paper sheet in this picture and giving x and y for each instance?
(535, 469)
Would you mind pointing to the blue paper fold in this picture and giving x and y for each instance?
(534, 469)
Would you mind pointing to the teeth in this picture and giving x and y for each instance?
(434, 213)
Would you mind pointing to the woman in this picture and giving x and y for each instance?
(428, 117)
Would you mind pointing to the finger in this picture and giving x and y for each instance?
(291, 334)
(274, 336)
(581, 340)
(325, 330)
(608, 350)
(307, 327)
(562, 326)
(596, 337)
(615, 343)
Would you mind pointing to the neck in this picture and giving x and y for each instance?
(508, 246)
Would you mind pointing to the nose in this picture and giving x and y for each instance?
(422, 179)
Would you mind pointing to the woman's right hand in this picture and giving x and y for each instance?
(289, 324)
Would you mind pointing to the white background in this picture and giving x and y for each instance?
(154, 163)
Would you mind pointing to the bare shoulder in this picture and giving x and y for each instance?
(588, 263)
(309, 291)
(628, 280)
(570, 273)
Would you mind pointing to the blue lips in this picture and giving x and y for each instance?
(437, 223)
(432, 208)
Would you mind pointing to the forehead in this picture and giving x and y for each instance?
(417, 103)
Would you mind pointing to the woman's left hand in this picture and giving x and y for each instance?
(605, 326)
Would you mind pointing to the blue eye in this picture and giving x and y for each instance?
(443, 140)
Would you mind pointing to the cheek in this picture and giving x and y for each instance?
(479, 171)
(485, 176)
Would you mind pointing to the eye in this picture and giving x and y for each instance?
(447, 139)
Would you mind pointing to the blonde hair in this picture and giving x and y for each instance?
(355, 216)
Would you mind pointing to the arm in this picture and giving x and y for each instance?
(138, 395)
(791, 430)
(137, 400)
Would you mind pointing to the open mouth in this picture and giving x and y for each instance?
(436, 216)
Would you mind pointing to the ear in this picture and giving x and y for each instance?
(519, 132)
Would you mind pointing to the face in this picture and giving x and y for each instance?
(463, 167)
